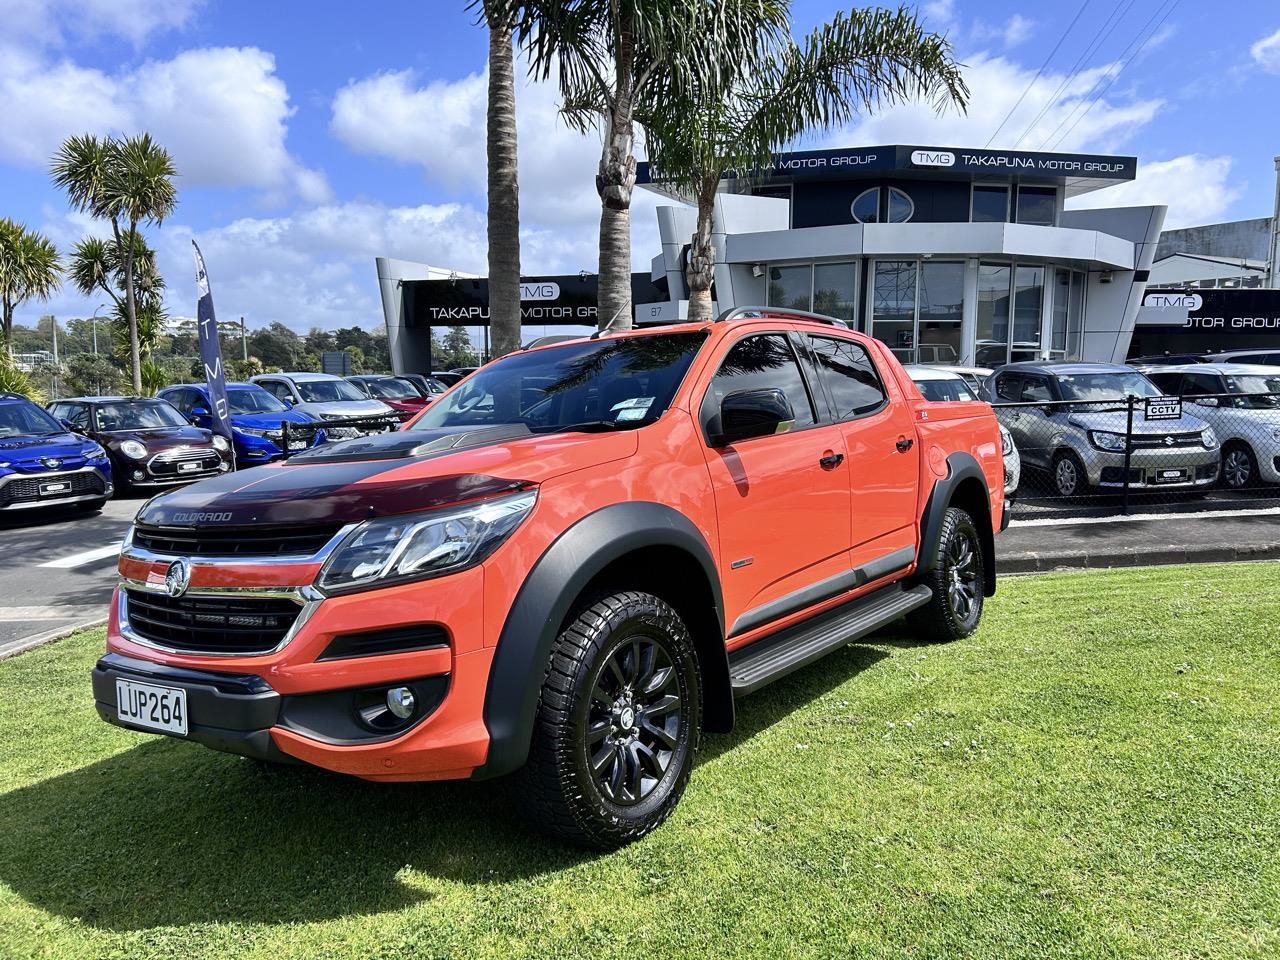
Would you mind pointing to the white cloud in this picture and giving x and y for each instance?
(50, 22)
(1266, 53)
(1196, 189)
(222, 112)
(995, 84)
(1010, 33)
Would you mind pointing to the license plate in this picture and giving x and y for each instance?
(152, 707)
(188, 467)
(297, 444)
(1171, 476)
(47, 489)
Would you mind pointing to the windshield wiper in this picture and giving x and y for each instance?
(588, 426)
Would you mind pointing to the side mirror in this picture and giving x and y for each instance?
(753, 413)
(69, 425)
(197, 413)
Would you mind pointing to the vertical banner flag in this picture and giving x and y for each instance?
(211, 352)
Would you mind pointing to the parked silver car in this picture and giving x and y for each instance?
(1066, 421)
(1245, 414)
(947, 383)
(325, 397)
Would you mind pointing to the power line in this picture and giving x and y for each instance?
(1105, 29)
(1033, 80)
(1112, 78)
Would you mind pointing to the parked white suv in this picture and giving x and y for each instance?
(1241, 401)
(326, 397)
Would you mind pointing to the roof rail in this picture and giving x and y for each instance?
(739, 313)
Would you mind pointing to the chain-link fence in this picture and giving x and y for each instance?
(1144, 452)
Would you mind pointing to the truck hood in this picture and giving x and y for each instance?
(385, 474)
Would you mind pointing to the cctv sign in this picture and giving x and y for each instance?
(933, 158)
(1185, 301)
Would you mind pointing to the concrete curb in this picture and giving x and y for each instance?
(15, 647)
(1105, 559)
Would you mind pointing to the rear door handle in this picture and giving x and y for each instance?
(904, 444)
(831, 461)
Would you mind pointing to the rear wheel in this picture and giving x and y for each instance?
(617, 723)
(957, 579)
(1239, 466)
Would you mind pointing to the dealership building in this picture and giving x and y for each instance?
(947, 254)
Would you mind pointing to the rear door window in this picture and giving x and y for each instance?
(849, 376)
(761, 362)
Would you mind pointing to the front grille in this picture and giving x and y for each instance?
(1158, 440)
(234, 542)
(27, 490)
(168, 464)
(227, 625)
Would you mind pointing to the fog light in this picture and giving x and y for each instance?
(139, 475)
(401, 701)
(224, 466)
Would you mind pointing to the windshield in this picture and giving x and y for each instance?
(327, 391)
(251, 400)
(1107, 386)
(945, 390)
(393, 389)
(1264, 391)
(624, 382)
(27, 420)
(138, 415)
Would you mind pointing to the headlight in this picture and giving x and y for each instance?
(220, 443)
(94, 452)
(1006, 442)
(1209, 438)
(1107, 441)
(421, 545)
(254, 432)
(132, 448)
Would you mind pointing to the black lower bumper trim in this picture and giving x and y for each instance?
(232, 713)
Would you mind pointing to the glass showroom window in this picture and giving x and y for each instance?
(992, 347)
(1037, 205)
(1028, 301)
(866, 206)
(791, 286)
(893, 307)
(990, 203)
(835, 290)
(941, 307)
(1068, 313)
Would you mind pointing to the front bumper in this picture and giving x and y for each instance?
(1146, 465)
(30, 491)
(165, 469)
(297, 700)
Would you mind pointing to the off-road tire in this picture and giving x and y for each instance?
(939, 621)
(558, 790)
(1056, 480)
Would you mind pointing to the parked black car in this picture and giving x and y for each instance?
(149, 442)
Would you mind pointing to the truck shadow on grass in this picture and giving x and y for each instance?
(170, 834)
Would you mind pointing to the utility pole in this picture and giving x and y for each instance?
(244, 341)
(54, 320)
(95, 328)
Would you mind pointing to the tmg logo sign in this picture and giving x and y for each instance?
(933, 158)
(545, 290)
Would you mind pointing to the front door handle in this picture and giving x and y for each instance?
(831, 461)
(904, 444)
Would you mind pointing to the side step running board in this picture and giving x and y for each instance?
(772, 657)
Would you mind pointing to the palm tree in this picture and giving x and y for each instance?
(127, 182)
(99, 265)
(615, 59)
(739, 119)
(29, 269)
(502, 18)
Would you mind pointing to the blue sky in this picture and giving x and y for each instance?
(312, 137)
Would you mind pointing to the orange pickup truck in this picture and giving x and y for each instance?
(568, 567)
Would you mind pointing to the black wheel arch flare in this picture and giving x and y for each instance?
(548, 595)
(964, 486)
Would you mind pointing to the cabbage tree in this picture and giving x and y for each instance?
(29, 270)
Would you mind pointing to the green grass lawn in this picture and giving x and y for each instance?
(1095, 774)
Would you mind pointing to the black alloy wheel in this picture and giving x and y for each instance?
(957, 579)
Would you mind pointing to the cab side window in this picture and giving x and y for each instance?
(1170, 383)
(277, 387)
(849, 375)
(761, 362)
(1009, 388)
(1036, 390)
(76, 414)
(1199, 383)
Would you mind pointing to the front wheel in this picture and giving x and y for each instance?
(1069, 478)
(957, 579)
(1239, 467)
(617, 723)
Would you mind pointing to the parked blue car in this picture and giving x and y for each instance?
(43, 464)
(256, 420)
